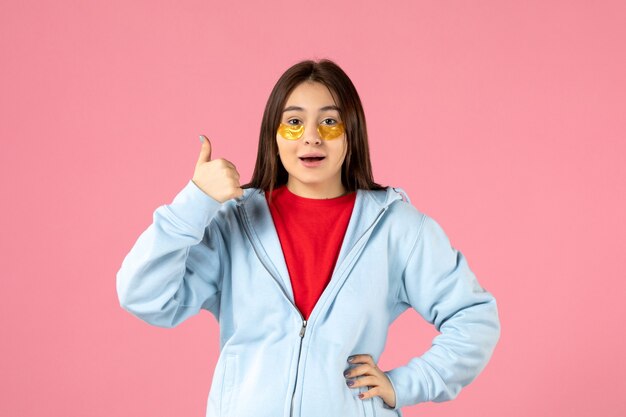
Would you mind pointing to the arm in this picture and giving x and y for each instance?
(439, 285)
(174, 268)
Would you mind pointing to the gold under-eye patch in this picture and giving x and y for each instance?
(326, 132)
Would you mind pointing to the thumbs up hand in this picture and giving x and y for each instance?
(218, 178)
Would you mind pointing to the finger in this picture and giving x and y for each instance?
(364, 369)
(205, 150)
(224, 163)
(228, 164)
(355, 370)
(363, 381)
(235, 186)
(231, 172)
(361, 358)
(369, 393)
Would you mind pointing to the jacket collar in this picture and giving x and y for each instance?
(380, 198)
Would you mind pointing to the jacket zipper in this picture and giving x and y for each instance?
(303, 328)
(304, 322)
(293, 394)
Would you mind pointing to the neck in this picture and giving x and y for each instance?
(317, 191)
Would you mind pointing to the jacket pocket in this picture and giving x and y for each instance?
(228, 384)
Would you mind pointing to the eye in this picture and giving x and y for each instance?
(329, 121)
(293, 120)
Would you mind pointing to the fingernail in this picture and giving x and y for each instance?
(201, 139)
(350, 382)
(345, 373)
(350, 358)
(361, 395)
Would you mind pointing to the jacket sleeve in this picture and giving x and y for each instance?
(439, 285)
(175, 267)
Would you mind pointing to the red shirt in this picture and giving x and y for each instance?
(311, 232)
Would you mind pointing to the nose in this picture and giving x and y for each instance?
(311, 135)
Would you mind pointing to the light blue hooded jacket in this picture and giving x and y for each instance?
(226, 258)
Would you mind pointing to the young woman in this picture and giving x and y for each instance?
(307, 266)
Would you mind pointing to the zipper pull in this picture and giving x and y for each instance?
(303, 328)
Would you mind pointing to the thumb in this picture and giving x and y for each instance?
(205, 151)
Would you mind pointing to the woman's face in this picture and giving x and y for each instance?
(310, 104)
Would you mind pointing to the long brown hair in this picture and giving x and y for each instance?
(356, 172)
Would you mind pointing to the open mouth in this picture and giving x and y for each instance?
(312, 158)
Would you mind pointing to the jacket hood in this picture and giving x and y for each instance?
(380, 198)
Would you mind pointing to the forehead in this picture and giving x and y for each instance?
(310, 95)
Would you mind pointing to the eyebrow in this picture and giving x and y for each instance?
(297, 108)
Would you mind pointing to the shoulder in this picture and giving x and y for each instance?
(400, 205)
(411, 221)
(401, 216)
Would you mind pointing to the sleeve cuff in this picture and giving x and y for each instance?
(194, 206)
(410, 386)
(395, 390)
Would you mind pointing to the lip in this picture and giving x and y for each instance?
(312, 164)
(312, 155)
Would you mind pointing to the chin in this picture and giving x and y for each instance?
(310, 180)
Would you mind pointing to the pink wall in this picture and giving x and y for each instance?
(504, 120)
